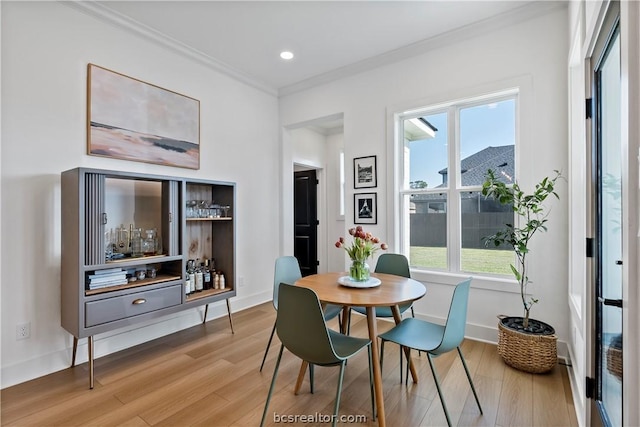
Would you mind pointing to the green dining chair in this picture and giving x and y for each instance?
(303, 330)
(388, 263)
(435, 339)
(287, 270)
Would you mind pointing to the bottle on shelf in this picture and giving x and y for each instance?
(187, 282)
(192, 276)
(206, 274)
(122, 240)
(216, 281)
(199, 277)
(223, 284)
(158, 240)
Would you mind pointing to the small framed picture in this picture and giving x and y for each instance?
(364, 172)
(365, 208)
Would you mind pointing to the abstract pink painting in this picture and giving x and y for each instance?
(129, 119)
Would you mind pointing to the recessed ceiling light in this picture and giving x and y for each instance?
(286, 55)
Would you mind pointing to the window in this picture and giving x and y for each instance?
(341, 161)
(446, 151)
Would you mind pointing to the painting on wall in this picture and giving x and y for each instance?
(364, 172)
(129, 119)
(365, 208)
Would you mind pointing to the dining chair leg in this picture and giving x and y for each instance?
(336, 405)
(311, 377)
(230, 316)
(401, 364)
(273, 382)
(381, 353)
(413, 314)
(464, 363)
(373, 398)
(406, 375)
(435, 377)
(266, 350)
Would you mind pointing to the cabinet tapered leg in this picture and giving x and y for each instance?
(230, 318)
(90, 347)
(75, 350)
(206, 309)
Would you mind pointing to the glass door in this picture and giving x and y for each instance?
(608, 222)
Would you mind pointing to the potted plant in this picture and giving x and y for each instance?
(523, 343)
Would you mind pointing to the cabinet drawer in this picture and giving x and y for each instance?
(117, 308)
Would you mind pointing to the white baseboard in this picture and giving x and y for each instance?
(489, 334)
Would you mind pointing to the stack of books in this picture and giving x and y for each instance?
(109, 277)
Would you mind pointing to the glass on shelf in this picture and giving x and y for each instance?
(214, 210)
(108, 245)
(192, 211)
(149, 243)
(136, 242)
(203, 209)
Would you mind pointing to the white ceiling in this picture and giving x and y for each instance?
(330, 39)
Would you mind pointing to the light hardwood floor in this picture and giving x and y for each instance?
(205, 376)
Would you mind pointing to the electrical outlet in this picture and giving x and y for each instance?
(23, 331)
(241, 282)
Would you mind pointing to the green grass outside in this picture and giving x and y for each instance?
(489, 261)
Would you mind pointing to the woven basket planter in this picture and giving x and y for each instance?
(614, 362)
(531, 352)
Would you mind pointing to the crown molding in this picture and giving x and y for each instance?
(526, 12)
(117, 19)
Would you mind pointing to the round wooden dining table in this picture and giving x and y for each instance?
(392, 291)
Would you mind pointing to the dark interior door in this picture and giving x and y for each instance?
(305, 203)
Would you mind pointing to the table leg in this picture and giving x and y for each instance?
(398, 318)
(345, 319)
(303, 370)
(377, 374)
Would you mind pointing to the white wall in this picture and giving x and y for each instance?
(46, 47)
(534, 52)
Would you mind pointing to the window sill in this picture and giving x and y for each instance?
(497, 284)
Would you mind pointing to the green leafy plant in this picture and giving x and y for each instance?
(533, 217)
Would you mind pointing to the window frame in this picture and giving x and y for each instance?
(453, 189)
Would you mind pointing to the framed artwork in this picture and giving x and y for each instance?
(364, 172)
(129, 119)
(365, 208)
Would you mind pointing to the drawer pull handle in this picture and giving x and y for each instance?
(139, 301)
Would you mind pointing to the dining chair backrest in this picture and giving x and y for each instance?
(456, 319)
(301, 326)
(393, 264)
(287, 270)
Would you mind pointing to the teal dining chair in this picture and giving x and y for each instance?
(435, 339)
(303, 331)
(388, 263)
(287, 270)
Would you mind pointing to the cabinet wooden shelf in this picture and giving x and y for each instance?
(206, 293)
(210, 219)
(132, 285)
(101, 211)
